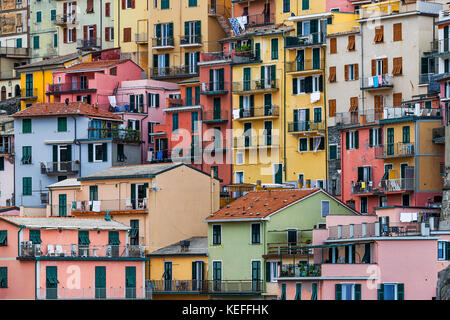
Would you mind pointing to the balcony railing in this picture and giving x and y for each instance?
(179, 154)
(253, 112)
(393, 185)
(65, 19)
(300, 126)
(215, 116)
(442, 45)
(175, 103)
(7, 149)
(141, 37)
(30, 250)
(260, 19)
(347, 118)
(126, 135)
(377, 82)
(214, 56)
(94, 293)
(317, 38)
(255, 141)
(246, 56)
(215, 145)
(111, 205)
(233, 286)
(89, 43)
(13, 51)
(286, 248)
(394, 150)
(191, 40)
(305, 65)
(256, 85)
(69, 87)
(215, 87)
(300, 270)
(162, 42)
(180, 71)
(28, 93)
(366, 230)
(62, 167)
(359, 187)
(425, 78)
(179, 286)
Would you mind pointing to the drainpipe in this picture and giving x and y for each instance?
(284, 110)
(76, 142)
(142, 132)
(325, 117)
(51, 203)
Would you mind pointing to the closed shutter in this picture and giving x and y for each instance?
(3, 277)
(2, 163)
(356, 139)
(397, 99)
(133, 195)
(338, 291)
(400, 291)
(374, 67)
(332, 107)
(83, 238)
(357, 292)
(130, 277)
(406, 134)
(90, 152)
(274, 47)
(351, 43)
(398, 66)
(113, 238)
(346, 72)
(347, 140)
(397, 31)
(385, 66)
(332, 76)
(333, 45)
(356, 71)
(298, 291)
(267, 271)
(35, 236)
(381, 292)
(371, 137)
(105, 152)
(294, 86)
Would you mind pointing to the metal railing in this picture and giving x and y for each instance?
(245, 56)
(375, 82)
(393, 150)
(13, 51)
(94, 293)
(255, 141)
(141, 37)
(214, 87)
(214, 56)
(425, 78)
(30, 250)
(299, 126)
(162, 42)
(316, 38)
(7, 149)
(127, 135)
(28, 93)
(362, 187)
(109, 204)
(175, 103)
(215, 116)
(89, 43)
(63, 167)
(190, 39)
(266, 111)
(179, 286)
(233, 286)
(366, 230)
(64, 19)
(300, 270)
(215, 145)
(393, 185)
(285, 247)
(260, 19)
(347, 118)
(251, 85)
(69, 86)
(174, 71)
(305, 65)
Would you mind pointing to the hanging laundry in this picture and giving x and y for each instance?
(370, 81)
(375, 82)
(242, 22)
(236, 113)
(235, 25)
(315, 96)
(380, 80)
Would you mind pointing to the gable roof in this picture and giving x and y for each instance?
(60, 108)
(94, 66)
(198, 246)
(65, 223)
(60, 60)
(256, 205)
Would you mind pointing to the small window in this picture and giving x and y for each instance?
(217, 234)
(256, 233)
(3, 238)
(303, 144)
(325, 208)
(441, 249)
(113, 71)
(62, 124)
(98, 152)
(239, 158)
(333, 152)
(26, 186)
(26, 126)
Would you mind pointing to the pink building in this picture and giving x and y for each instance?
(393, 255)
(69, 258)
(343, 5)
(141, 105)
(92, 82)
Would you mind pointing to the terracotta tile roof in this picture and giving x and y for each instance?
(60, 108)
(260, 204)
(93, 65)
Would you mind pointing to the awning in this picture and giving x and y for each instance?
(52, 280)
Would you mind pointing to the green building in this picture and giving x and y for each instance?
(245, 238)
(43, 33)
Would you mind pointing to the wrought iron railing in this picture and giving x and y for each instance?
(393, 150)
(251, 85)
(127, 135)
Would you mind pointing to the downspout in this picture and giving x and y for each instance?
(142, 133)
(51, 203)
(101, 25)
(76, 142)
(325, 117)
(284, 110)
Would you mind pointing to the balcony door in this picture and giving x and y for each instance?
(268, 133)
(197, 275)
(390, 141)
(292, 238)
(247, 134)
(64, 158)
(268, 104)
(256, 275)
(51, 282)
(167, 276)
(165, 34)
(62, 205)
(100, 282)
(301, 119)
(267, 13)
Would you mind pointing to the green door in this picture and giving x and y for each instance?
(256, 275)
(114, 242)
(390, 141)
(29, 85)
(51, 282)
(300, 60)
(100, 282)
(93, 195)
(63, 205)
(130, 282)
(216, 108)
(168, 276)
(268, 133)
(217, 275)
(278, 168)
(268, 104)
(316, 58)
(247, 79)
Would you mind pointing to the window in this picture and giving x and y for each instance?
(316, 143)
(299, 86)
(165, 4)
(348, 291)
(121, 157)
(333, 45)
(406, 134)
(215, 171)
(38, 16)
(303, 144)
(405, 200)
(174, 122)
(333, 152)
(99, 152)
(363, 205)
(375, 137)
(379, 34)
(397, 31)
(442, 249)
(325, 208)
(62, 124)
(273, 268)
(217, 234)
(217, 272)
(332, 76)
(382, 201)
(153, 100)
(286, 6)
(113, 72)
(256, 233)
(3, 277)
(391, 291)
(305, 4)
(192, 3)
(318, 115)
(3, 237)
(26, 155)
(351, 140)
(351, 43)
(274, 51)
(398, 66)
(239, 158)
(53, 15)
(351, 72)
(134, 232)
(316, 83)
(26, 186)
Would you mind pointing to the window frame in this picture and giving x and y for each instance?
(258, 240)
(214, 236)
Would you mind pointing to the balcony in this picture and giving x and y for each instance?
(215, 116)
(255, 86)
(300, 270)
(303, 126)
(442, 46)
(89, 44)
(305, 65)
(122, 135)
(135, 293)
(141, 38)
(256, 113)
(277, 248)
(425, 78)
(6, 149)
(60, 168)
(65, 19)
(179, 286)
(347, 118)
(178, 154)
(214, 88)
(215, 145)
(191, 40)
(28, 250)
(219, 287)
(174, 72)
(244, 56)
(394, 150)
(260, 19)
(69, 87)
(313, 39)
(362, 187)
(15, 52)
(163, 43)
(377, 82)
(256, 141)
(113, 205)
(214, 56)
(383, 186)
(28, 94)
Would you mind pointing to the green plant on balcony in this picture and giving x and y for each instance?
(243, 50)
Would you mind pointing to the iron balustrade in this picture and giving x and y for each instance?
(376, 82)
(214, 56)
(300, 270)
(89, 43)
(252, 85)
(299, 126)
(305, 65)
(215, 115)
(109, 204)
(266, 111)
(315, 38)
(185, 70)
(393, 150)
(179, 286)
(65, 19)
(62, 167)
(190, 39)
(69, 86)
(162, 42)
(134, 293)
(214, 87)
(126, 135)
(359, 187)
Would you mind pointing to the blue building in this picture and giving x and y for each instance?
(56, 141)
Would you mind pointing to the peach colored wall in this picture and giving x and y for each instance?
(334, 220)
(53, 206)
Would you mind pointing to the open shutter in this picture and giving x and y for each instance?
(55, 153)
(267, 271)
(400, 291)
(294, 86)
(308, 85)
(90, 152)
(346, 72)
(374, 67)
(385, 65)
(124, 4)
(194, 270)
(347, 140)
(356, 70)
(371, 137)
(357, 292)
(133, 195)
(356, 139)
(381, 292)
(105, 152)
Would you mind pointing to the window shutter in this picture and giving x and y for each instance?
(357, 292)
(104, 152)
(133, 195)
(381, 292)
(308, 84)
(55, 153)
(333, 45)
(194, 270)
(294, 86)
(332, 76)
(298, 291)
(347, 140)
(356, 70)
(370, 137)
(338, 291)
(85, 32)
(351, 43)
(397, 32)
(106, 34)
(133, 4)
(400, 291)
(356, 139)
(273, 73)
(346, 72)
(321, 83)
(385, 65)
(124, 4)
(397, 99)
(374, 67)
(267, 271)
(332, 107)
(90, 152)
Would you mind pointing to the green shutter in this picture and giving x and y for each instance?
(90, 152)
(26, 126)
(62, 124)
(267, 271)
(294, 86)
(3, 237)
(130, 276)
(381, 292)
(27, 186)
(105, 152)
(371, 137)
(113, 238)
(406, 134)
(3, 277)
(314, 291)
(133, 195)
(283, 291)
(356, 139)
(333, 152)
(2, 163)
(274, 55)
(298, 291)
(83, 237)
(400, 291)
(347, 140)
(35, 236)
(305, 4)
(338, 291)
(100, 277)
(357, 292)
(194, 270)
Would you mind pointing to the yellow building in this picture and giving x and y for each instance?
(178, 271)
(35, 77)
(131, 30)
(179, 31)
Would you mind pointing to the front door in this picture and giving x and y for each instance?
(168, 276)
(390, 141)
(51, 282)
(63, 205)
(130, 282)
(100, 282)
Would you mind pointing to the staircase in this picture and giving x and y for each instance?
(221, 14)
(224, 24)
